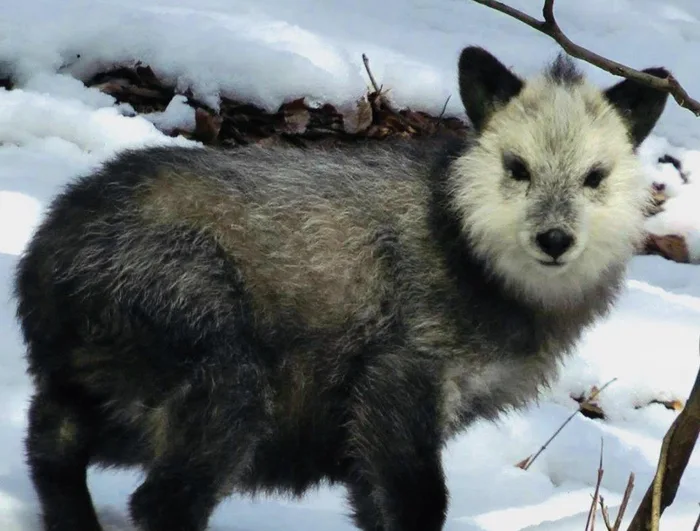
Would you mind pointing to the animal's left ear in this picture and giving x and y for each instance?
(484, 84)
(641, 106)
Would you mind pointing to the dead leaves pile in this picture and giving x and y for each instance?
(295, 122)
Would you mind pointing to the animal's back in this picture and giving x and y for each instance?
(304, 228)
(185, 237)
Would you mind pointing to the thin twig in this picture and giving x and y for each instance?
(376, 87)
(591, 512)
(550, 27)
(593, 396)
(621, 510)
(623, 504)
(384, 101)
(606, 516)
(696, 527)
(444, 108)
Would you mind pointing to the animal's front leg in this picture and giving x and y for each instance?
(397, 451)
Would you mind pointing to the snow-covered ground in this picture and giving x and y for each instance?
(53, 128)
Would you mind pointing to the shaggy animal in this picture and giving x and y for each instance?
(265, 320)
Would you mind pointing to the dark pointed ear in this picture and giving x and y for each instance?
(484, 84)
(641, 106)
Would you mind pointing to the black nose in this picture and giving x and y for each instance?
(554, 242)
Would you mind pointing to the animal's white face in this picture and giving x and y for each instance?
(552, 196)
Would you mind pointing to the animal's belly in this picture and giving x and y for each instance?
(297, 458)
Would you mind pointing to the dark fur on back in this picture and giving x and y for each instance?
(269, 319)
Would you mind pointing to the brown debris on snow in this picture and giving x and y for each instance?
(658, 198)
(671, 246)
(590, 408)
(588, 405)
(138, 86)
(295, 122)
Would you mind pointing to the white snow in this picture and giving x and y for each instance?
(177, 115)
(53, 128)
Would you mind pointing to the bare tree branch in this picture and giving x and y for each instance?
(550, 27)
(678, 446)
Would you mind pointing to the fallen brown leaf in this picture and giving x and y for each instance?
(522, 464)
(296, 117)
(589, 407)
(207, 126)
(672, 247)
(147, 76)
(379, 131)
(674, 405)
(358, 117)
(420, 121)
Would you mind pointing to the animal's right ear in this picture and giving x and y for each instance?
(640, 106)
(484, 84)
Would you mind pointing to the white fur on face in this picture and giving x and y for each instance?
(561, 132)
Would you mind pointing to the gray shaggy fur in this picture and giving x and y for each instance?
(264, 320)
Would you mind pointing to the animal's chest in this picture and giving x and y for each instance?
(471, 391)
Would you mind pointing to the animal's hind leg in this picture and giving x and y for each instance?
(365, 513)
(179, 494)
(208, 437)
(60, 434)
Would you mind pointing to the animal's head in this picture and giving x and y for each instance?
(551, 194)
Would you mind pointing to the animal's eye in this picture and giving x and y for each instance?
(516, 167)
(594, 177)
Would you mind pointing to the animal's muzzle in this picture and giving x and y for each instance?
(554, 242)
